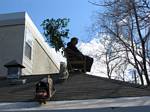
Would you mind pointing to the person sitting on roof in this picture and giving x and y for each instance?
(78, 55)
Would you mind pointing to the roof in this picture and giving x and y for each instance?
(22, 92)
(77, 87)
(14, 63)
(82, 86)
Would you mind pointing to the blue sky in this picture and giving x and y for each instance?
(79, 11)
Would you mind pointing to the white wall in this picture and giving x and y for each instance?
(15, 30)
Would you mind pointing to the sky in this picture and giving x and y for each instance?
(78, 11)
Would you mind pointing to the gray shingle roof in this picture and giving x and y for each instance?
(77, 87)
(83, 86)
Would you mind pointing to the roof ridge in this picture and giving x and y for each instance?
(120, 82)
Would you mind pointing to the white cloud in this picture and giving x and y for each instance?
(92, 49)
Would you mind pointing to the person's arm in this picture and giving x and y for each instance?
(74, 53)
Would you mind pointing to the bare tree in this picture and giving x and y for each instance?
(111, 56)
(128, 23)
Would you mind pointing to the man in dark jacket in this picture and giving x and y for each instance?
(78, 55)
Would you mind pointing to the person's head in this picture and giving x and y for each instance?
(74, 40)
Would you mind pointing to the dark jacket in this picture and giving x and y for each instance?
(75, 52)
(79, 56)
(74, 48)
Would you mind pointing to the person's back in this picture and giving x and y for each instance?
(72, 50)
(74, 53)
(72, 45)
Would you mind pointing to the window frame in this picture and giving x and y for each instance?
(28, 50)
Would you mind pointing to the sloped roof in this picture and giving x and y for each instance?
(15, 93)
(82, 86)
(14, 63)
(77, 87)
